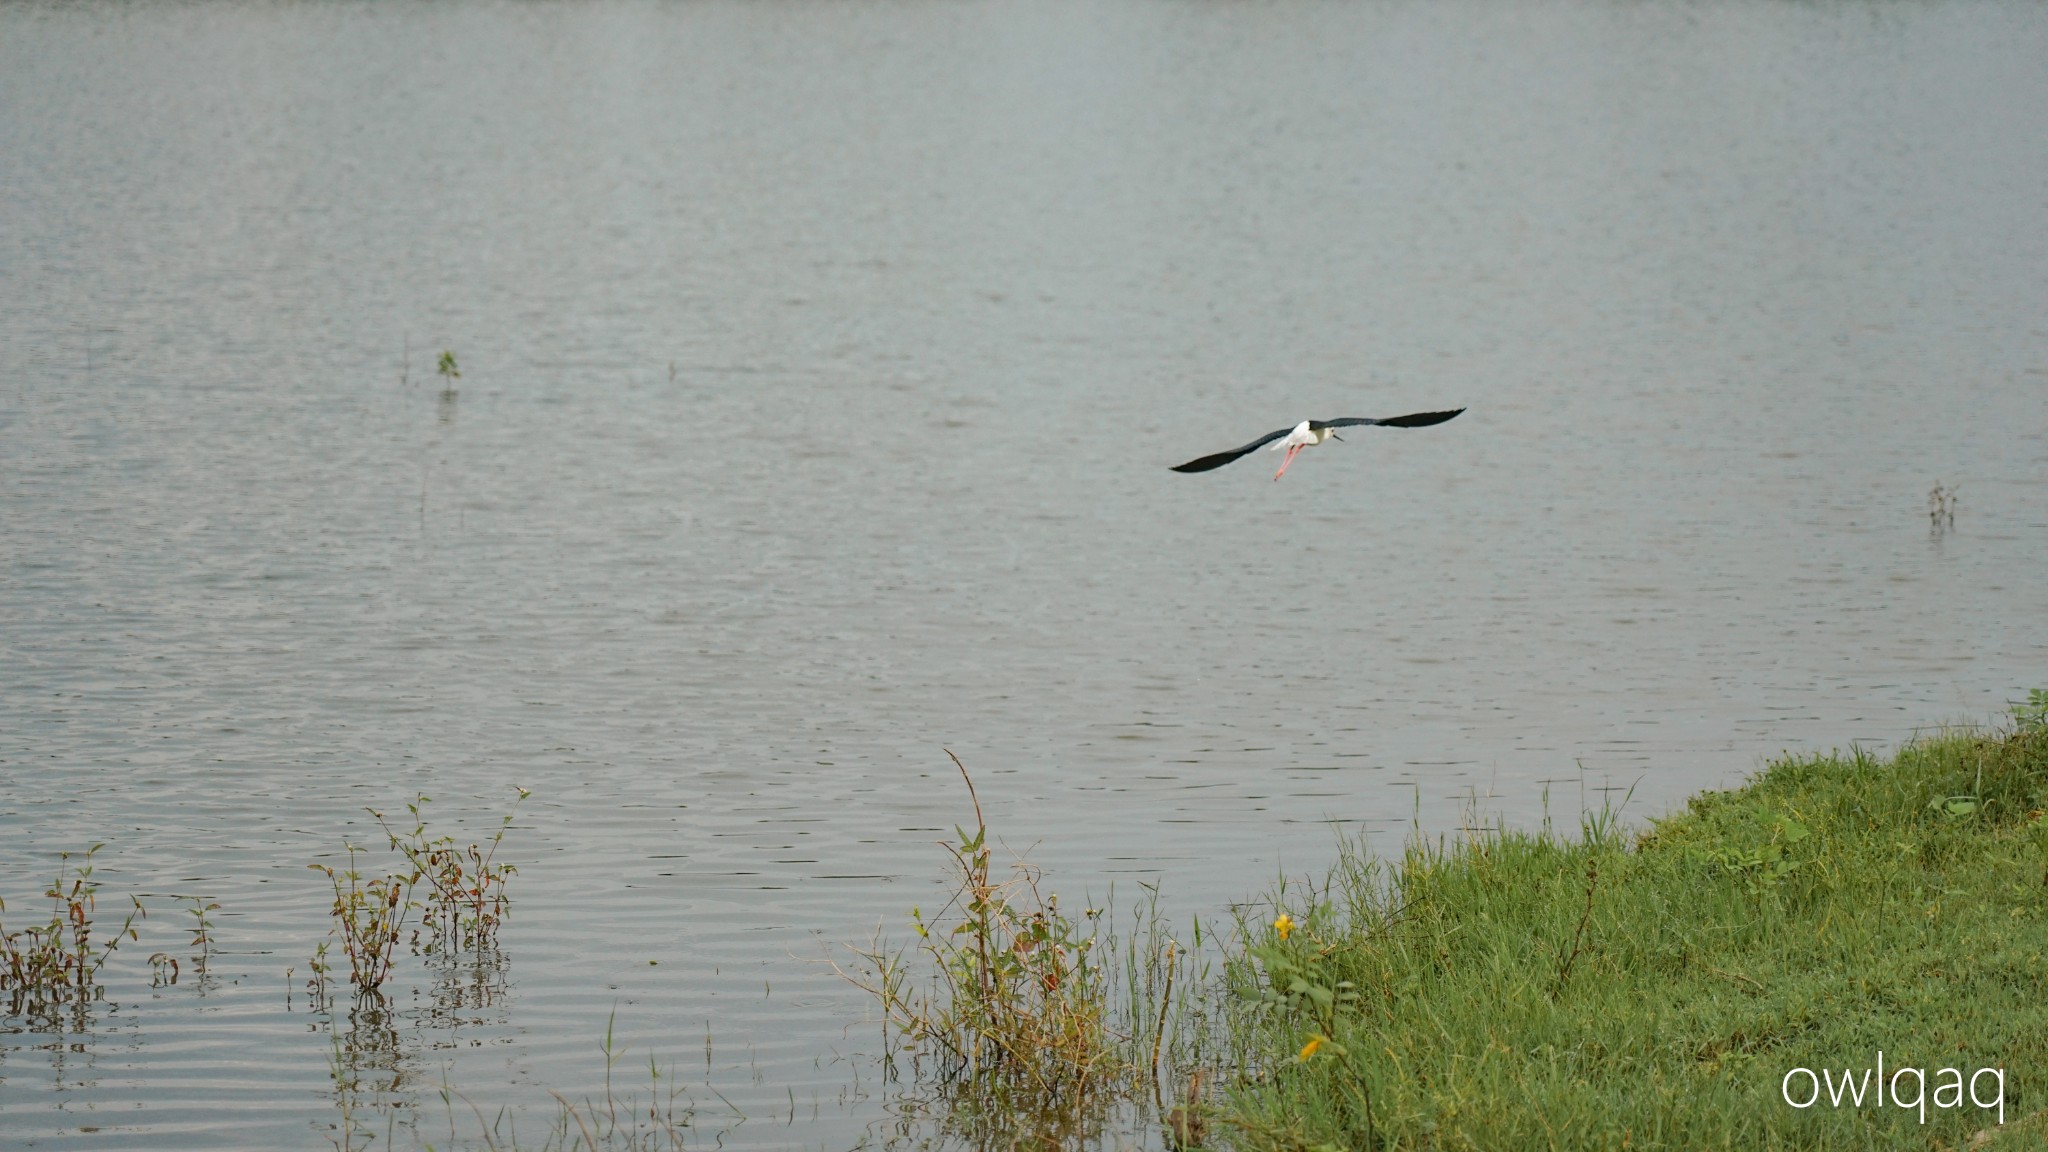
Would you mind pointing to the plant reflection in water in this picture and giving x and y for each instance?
(376, 1046)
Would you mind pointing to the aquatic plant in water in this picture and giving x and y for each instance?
(458, 894)
(1018, 996)
(464, 906)
(466, 900)
(49, 966)
(1017, 1017)
(448, 372)
(202, 932)
(370, 913)
(1941, 508)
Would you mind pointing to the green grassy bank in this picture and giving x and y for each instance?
(1653, 991)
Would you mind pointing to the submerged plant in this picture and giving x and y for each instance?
(370, 914)
(47, 966)
(316, 984)
(1018, 1017)
(1941, 509)
(1019, 996)
(466, 899)
(202, 931)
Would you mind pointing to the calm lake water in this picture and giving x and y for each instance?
(821, 367)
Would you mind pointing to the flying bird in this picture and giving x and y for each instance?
(1311, 432)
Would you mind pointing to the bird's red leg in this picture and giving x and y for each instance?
(1288, 460)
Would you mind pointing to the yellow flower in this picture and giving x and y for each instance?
(1308, 1050)
(1284, 925)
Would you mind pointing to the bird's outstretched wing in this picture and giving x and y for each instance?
(1412, 420)
(1219, 459)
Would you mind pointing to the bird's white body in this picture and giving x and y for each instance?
(1303, 436)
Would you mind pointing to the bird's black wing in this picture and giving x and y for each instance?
(1412, 420)
(1219, 459)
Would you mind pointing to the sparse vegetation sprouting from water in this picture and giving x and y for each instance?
(466, 901)
(1517, 990)
(52, 966)
(321, 967)
(1020, 1019)
(448, 372)
(1941, 509)
(1019, 991)
(164, 968)
(465, 886)
(370, 914)
(202, 932)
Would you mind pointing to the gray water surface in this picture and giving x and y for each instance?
(821, 368)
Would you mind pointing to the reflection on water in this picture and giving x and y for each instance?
(821, 370)
(370, 1063)
(466, 990)
(381, 1051)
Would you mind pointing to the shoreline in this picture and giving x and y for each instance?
(1676, 987)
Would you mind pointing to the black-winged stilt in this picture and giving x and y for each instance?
(1311, 432)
